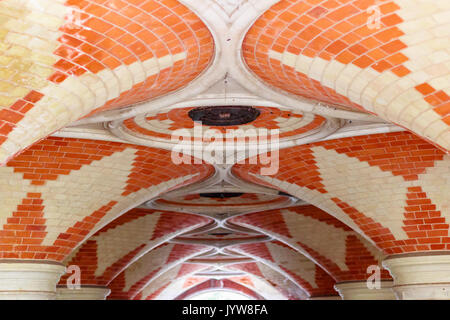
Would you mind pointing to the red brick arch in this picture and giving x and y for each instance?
(224, 284)
(60, 190)
(401, 164)
(321, 236)
(106, 55)
(130, 282)
(136, 231)
(329, 51)
(294, 265)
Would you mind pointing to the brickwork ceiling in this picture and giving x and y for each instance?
(93, 92)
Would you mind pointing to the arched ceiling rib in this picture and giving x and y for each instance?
(169, 284)
(391, 188)
(134, 69)
(134, 279)
(394, 64)
(60, 191)
(63, 60)
(117, 245)
(339, 250)
(293, 265)
(288, 288)
(223, 284)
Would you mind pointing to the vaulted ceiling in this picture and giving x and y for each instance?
(92, 93)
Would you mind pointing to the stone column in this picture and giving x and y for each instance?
(83, 293)
(29, 280)
(421, 276)
(358, 290)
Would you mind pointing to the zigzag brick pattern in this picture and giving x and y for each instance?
(292, 264)
(118, 244)
(387, 57)
(149, 267)
(220, 284)
(334, 246)
(171, 281)
(409, 177)
(285, 286)
(161, 125)
(65, 59)
(60, 191)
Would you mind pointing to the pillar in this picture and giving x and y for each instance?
(358, 290)
(421, 276)
(83, 293)
(29, 280)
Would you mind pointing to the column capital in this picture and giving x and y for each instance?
(29, 280)
(358, 290)
(83, 293)
(424, 275)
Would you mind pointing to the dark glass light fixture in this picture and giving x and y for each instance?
(224, 115)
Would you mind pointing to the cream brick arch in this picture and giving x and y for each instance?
(150, 266)
(63, 60)
(436, 181)
(390, 58)
(242, 285)
(334, 167)
(338, 249)
(376, 184)
(260, 285)
(123, 241)
(289, 289)
(61, 191)
(263, 288)
(92, 92)
(291, 264)
(265, 281)
(169, 284)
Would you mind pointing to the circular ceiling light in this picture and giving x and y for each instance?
(224, 115)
